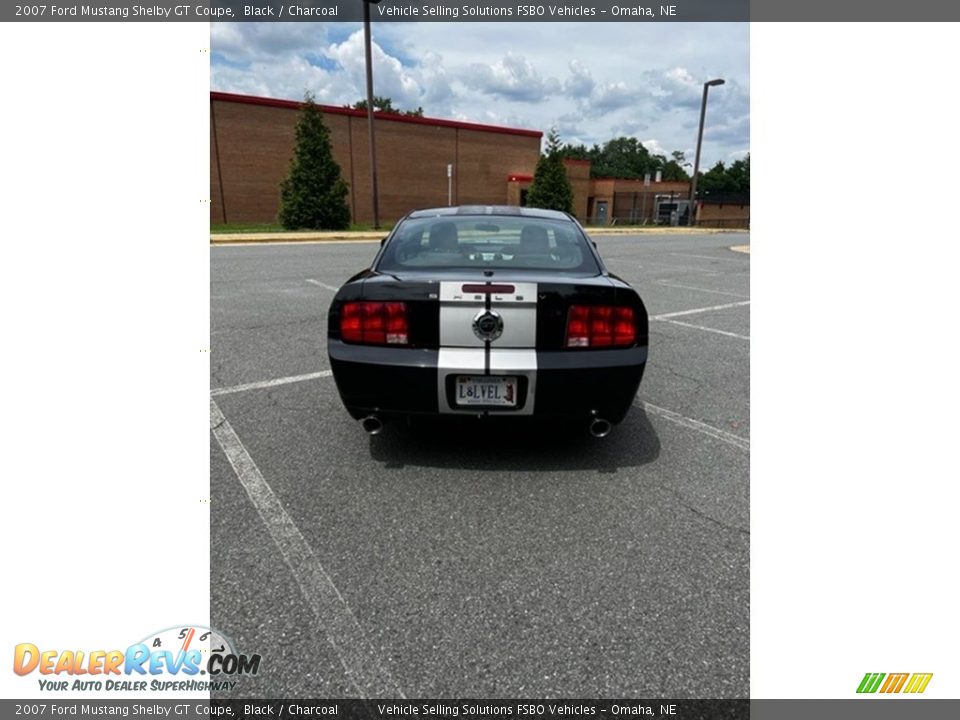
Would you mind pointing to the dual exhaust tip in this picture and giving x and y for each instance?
(373, 425)
(600, 428)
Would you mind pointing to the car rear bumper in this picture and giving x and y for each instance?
(562, 384)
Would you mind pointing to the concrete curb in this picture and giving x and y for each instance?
(366, 235)
(662, 231)
(291, 237)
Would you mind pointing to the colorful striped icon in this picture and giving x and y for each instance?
(894, 682)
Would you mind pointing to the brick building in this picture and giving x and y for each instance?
(252, 140)
(626, 201)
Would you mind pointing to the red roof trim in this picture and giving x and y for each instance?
(333, 110)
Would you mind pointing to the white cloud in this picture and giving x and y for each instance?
(393, 80)
(438, 92)
(265, 41)
(655, 148)
(610, 97)
(580, 83)
(512, 77)
(592, 81)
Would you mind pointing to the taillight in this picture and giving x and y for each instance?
(374, 323)
(598, 326)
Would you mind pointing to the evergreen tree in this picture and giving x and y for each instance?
(314, 195)
(551, 187)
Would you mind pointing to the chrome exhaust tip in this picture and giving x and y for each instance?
(371, 424)
(600, 428)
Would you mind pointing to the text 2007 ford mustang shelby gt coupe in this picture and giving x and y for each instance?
(491, 311)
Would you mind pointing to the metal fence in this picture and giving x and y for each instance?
(652, 208)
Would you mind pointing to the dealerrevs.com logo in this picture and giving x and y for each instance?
(894, 683)
(184, 658)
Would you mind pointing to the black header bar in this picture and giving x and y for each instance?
(621, 11)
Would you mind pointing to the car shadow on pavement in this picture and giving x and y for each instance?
(516, 444)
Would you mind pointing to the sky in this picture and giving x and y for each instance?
(591, 81)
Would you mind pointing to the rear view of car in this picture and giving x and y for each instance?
(490, 312)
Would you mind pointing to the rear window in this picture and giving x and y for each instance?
(488, 242)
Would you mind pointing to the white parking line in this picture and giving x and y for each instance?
(708, 257)
(699, 289)
(707, 329)
(331, 611)
(725, 306)
(700, 427)
(723, 435)
(270, 383)
(323, 285)
(683, 269)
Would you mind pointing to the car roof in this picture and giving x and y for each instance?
(494, 210)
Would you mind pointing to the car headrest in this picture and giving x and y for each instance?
(443, 237)
(534, 240)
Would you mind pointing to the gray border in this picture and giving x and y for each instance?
(871, 708)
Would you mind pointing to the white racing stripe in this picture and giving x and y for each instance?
(696, 425)
(459, 361)
(462, 352)
(517, 309)
(270, 383)
(331, 612)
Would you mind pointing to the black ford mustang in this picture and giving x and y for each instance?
(489, 311)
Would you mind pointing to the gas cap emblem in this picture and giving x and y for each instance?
(488, 325)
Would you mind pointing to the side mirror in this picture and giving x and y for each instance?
(382, 241)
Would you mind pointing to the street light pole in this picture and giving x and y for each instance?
(373, 141)
(692, 220)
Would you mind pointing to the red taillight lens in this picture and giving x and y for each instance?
(351, 324)
(597, 326)
(624, 326)
(374, 323)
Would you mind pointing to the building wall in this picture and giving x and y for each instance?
(486, 160)
(600, 190)
(411, 168)
(252, 143)
(516, 187)
(635, 203)
(724, 215)
(628, 201)
(578, 173)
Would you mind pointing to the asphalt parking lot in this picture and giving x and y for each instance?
(466, 561)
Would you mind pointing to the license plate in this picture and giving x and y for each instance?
(495, 390)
